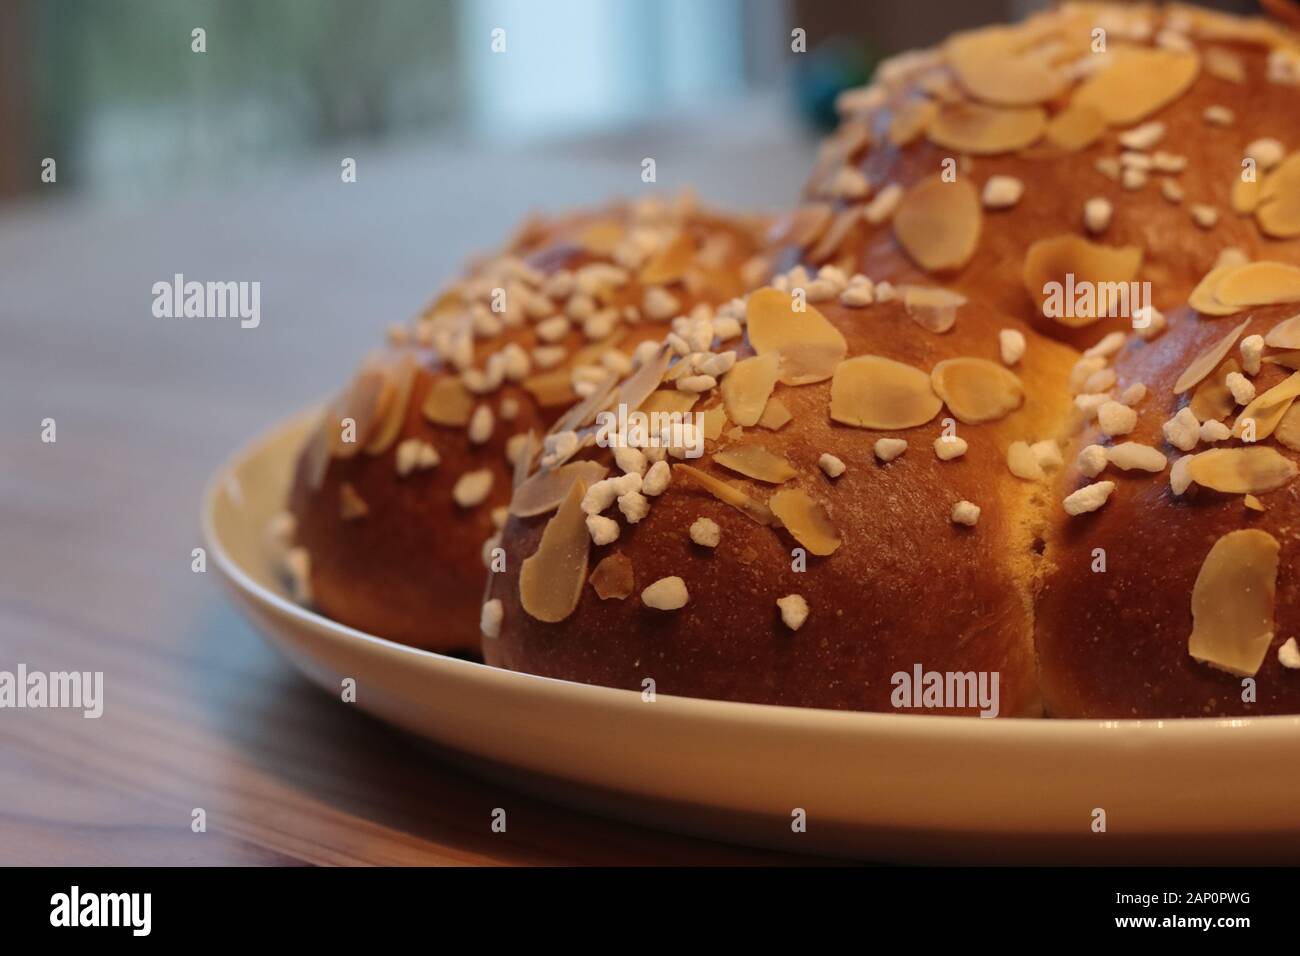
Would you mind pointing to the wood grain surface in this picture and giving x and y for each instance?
(96, 529)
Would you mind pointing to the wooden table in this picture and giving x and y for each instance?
(96, 529)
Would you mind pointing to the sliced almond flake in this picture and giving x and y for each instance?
(1278, 213)
(551, 579)
(1253, 503)
(1238, 471)
(1074, 128)
(910, 120)
(448, 402)
(669, 401)
(806, 520)
(1289, 359)
(834, 237)
(1212, 400)
(395, 402)
(754, 461)
(727, 494)
(551, 389)
(1053, 259)
(1023, 463)
(602, 238)
(775, 415)
(977, 390)
(1137, 82)
(1259, 283)
(1284, 335)
(1203, 298)
(986, 130)
(612, 578)
(1288, 429)
(809, 346)
(316, 455)
(524, 457)
(1209, 360)
(803, 226)
(871, 391)
(1225, 65)
(670, 263)
(992, 65)
(1266, 410)
(715, 419)
(1245, 195)
(1232, 602)
(359, 402)
(748, 386)
(585, 411)
(938, 223)
(932, 308)
(544, 491)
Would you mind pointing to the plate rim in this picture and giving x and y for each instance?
(1005, 731)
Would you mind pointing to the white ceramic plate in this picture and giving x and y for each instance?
(873, 786)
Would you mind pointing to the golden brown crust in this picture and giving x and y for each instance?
(1058, 184)
(909, 584)
(907, 587)
(1115, 643)
(411, 568)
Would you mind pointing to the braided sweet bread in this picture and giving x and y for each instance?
(399, 495)
(1015, 406)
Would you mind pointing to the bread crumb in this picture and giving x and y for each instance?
(794, 610)
(1108, 345)
(1182, 431)
(965, 512)
(1207, 217)
(948, 447)
(472, 488)
(1218, 115)
(1266, 152)
(1011, 344)
(1091, 461)
(602, 530)
(666, 594)
(859, 293)
(1002, 192)
(1243, 390)
(832, 466)
(1212, 431)
(1180, 475)
(629, 460)
(1097, 214)
(1131, 454)
(1133, 394)
(1088, 498)
(414, 455)
(1116, 419)
(634, 506)
(887, 449)
(489, 619)
(705, 532)
(1048, 454)
(1288, 655)
(1142, 137)
(1252, 351)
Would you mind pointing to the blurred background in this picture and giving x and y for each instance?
(225, 165)
(114, 91)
